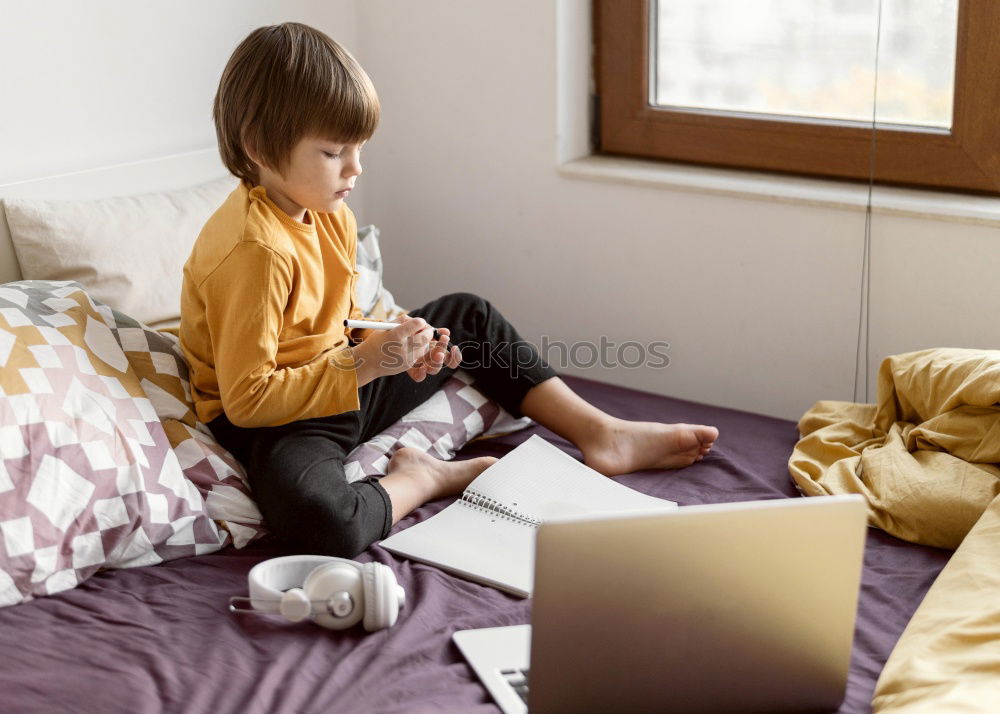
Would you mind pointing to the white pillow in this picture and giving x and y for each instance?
(127, 251)
(373, 299)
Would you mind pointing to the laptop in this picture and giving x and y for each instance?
(724, 607)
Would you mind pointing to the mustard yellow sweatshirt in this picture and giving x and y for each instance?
(263, 304)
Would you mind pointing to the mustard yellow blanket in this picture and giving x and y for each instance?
(926, 458)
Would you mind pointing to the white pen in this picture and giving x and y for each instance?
(376, 325)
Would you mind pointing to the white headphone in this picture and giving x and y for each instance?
(335, 592)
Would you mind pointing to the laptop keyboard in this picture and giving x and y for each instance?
(518, 679)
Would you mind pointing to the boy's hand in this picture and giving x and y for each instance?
(440, 355)
(403, 348)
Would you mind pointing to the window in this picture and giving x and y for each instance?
(789, 85)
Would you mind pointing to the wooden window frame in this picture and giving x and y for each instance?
(966, 158)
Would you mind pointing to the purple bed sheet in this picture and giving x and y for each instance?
(161, 639)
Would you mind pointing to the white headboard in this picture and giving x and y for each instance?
(163, 174)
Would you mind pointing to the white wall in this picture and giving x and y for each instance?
(101, 82)
(758, 299)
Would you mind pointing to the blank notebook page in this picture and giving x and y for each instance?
(478, 545)
(540, 481)
(486, 546)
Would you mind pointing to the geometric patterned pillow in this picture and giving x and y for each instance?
(372, 297)
(454, 415)
(102, 461)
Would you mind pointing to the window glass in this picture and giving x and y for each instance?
(807, 58)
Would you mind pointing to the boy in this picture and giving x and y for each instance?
(276, 376)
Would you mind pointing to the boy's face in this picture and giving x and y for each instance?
(319, 175)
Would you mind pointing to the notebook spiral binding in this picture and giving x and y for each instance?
(480, 502)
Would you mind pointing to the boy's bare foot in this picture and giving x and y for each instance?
(619, 446)
(441, 478)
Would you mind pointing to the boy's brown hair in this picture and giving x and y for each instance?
(283, 83)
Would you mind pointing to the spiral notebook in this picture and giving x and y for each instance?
(488, 535)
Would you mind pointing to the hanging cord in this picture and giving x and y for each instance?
(864, 307)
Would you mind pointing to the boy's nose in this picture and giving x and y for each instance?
(352, 168)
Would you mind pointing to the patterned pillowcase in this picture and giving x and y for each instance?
(373, 299)
(102, 461)
(454, 415)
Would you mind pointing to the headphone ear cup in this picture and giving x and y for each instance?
(382, 599)
(333, 579)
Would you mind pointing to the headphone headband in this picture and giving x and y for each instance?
(270, 578)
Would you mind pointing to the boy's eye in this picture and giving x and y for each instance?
(328, 155)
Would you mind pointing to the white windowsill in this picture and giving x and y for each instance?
(939, 205)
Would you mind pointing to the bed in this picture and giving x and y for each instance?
(160, 637)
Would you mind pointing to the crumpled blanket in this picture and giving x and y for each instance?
(948, 657)
(925, 456)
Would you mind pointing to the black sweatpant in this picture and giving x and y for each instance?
(296, 470)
